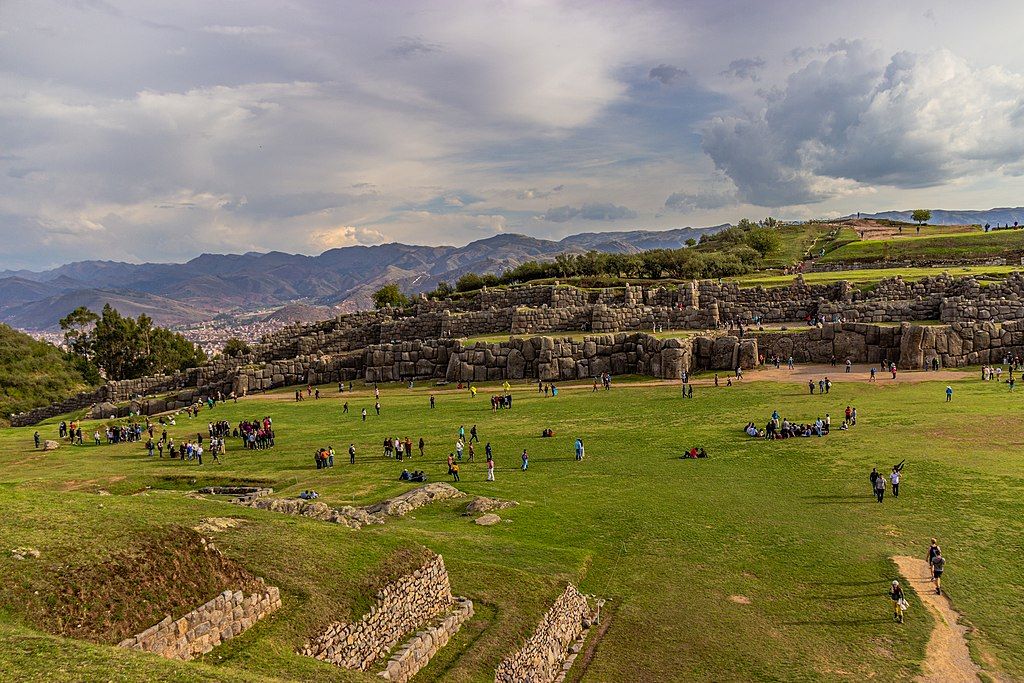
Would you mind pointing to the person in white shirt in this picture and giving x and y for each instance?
(894, 479)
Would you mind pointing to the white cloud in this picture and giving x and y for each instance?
(239, 30)
(853, 118)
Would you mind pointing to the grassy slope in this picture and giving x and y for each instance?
(868, 276)
(963, 245)
(790, 525)
(32, 373)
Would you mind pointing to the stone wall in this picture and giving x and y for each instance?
(196, 633)
(402, 607)
(539, 660)
(416, 653)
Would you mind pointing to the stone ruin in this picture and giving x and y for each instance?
(428, 342)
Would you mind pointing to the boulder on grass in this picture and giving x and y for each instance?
(51, 445)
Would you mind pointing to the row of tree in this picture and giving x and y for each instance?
(733, 251)
(123, 347)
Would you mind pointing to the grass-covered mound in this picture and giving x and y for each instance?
(33, 373)
(769, 560)
(1008, 244)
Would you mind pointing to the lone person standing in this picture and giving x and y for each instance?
(949, 393)
(879, 487)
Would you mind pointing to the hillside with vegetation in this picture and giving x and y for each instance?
(35, 373)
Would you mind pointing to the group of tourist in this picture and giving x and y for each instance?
(399, 449)
(256, 434)
(498, 402)
(878, 481)
(824, 385)
(324, 457)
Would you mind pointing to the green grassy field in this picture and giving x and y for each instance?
(677, 546)
(869, 276)
(946, 246)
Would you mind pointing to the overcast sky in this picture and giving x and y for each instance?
(155, 131)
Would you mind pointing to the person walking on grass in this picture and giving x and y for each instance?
(949, 393)
(933, 550)
(894, 480)
(351, 454)
(526, 460)
(490, 464)
(364, 414)
(810, 386)
(344, 409)
(455, 472)
(879, 487)
(938, 565)
(899, 602)
(376, 407)
(422, 444)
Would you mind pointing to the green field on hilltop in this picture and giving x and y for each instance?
(870, 276)
(767, 561)
(975, 245)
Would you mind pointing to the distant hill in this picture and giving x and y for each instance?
(33, 373)
(999, 216)
(339, 280)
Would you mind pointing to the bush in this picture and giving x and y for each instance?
(390, 295)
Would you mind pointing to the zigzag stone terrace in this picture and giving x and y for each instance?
(427, 342)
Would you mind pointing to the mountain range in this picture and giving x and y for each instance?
(338, 280)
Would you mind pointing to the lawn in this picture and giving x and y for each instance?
(677, 546)
(870, 276)
(1002, 243)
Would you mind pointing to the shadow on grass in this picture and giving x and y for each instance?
(837, 500)
(838, 622)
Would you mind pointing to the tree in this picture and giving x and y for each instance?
(235, 347)
(127, 348)
(763, 240)
(470, 282)
(921, 216)
(390, 295)
(690, 242)
(76, 326)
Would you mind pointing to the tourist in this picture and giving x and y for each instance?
(455, 472)
(849, 365)
(949, 393)
(899, 603)
(35, 437)
(872, 377)
(472, 435)
(933, 550)
(490, 464)
(431, 401)
(689, 391)
(364, 414)
(579, 449)
(330, 456)
(422, 444)
(376, 406)
(894, 480)
(810, 386)
(879, 487)
(352, 454)
(344, 409)
(462, 433)
(526, 460)
(938, 566)
(458, 447)
(873, 476)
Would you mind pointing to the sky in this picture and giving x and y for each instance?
(156, 131)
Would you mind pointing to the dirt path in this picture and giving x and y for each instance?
(799, 375)
(947, 659)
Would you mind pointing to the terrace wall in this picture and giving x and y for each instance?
(228, 615)
(401, 608)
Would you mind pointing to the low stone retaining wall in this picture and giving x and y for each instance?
(415, 654)
(244, 494)
(402, 607)
(541, 659)
(226, 616)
